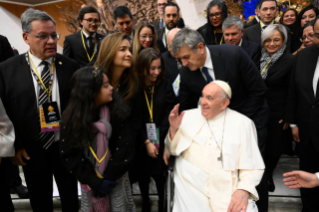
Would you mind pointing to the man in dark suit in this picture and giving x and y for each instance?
(171, 17)
(84, 45)
(29, 83)
(267, 13)
(203, 64)
(302, 113)
(233, 32)
(5, 49)
(256, 19)
(124, 21)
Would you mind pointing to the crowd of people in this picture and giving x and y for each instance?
(227, 100)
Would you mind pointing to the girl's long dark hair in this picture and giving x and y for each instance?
(82, 111)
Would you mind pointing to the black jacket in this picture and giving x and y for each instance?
(171, 67)
(208, 34)
(18, 96)
(5, 49)
(73, 48)
(251, 23)
(253, 50)
(180, 24)
(160, 45)
(303, 105)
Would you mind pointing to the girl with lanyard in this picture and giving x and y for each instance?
(85, 134)
(156, 105)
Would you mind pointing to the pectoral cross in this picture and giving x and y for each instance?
(220, 158)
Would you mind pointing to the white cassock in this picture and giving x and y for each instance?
(202, 182)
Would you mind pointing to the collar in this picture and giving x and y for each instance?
(208, 63)
(241, 42)
(86, 35)
(37, 61)
(257, 18)
(216, 118)
(262, 24)
(131, 35)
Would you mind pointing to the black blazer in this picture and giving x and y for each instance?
(160, 45)
(251, 23)
(231, 64)
(171, 67)
(73, 48)
(277, 83)
(18, 95)
(5, 49)
(208, 34)
(253, 34)
(303, 106)
(253, 50)
(180, 24)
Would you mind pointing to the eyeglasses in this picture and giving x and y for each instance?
(90, 21)
(309, 37)
(163, 4)
(147, 36)
(275, 41)
(45, 37)
(217, 15)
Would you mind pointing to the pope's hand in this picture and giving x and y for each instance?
(239, 201)
(175, 119)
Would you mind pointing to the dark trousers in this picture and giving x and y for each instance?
(309, 160)
(5, 198)
(39, 172)
(12, 173)
(144, 181)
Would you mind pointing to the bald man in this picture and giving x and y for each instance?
(218, 163)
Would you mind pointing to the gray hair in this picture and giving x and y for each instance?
(233, 20)
(30, 15)
(271, 29)
(188, 37)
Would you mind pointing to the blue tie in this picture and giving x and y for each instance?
(208, 77)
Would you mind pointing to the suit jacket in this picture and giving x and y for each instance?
(303, 105)
(253, 34)
(208, 34)
(231, 64)
(160, 45)
(253, 50)
(73, 48)
(18, 95)
(251, 23)
(171, 67)
(5, 49)
(180, 24)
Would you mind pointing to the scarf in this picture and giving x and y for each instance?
(266, 61)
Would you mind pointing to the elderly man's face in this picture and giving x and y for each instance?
(39, 48)
(192, 60)
(212, 101)
(233, 35)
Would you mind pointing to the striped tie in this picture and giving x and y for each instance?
(45, 138)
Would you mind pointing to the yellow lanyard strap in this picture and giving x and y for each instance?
(266, 66)
(150, 107)
(36, 71)
(261, 26)
(221, 40)
(90, 58)
(96, 158)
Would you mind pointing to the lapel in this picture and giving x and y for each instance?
(218, 63)
(257, 33)
(310, 67)
(28, 78)
(59, 73)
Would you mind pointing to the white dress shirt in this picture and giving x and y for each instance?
(55, 96)
(317, 175)
(87, 40)
(209, 65)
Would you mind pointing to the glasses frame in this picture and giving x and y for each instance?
(217, 15)
(306, 37)
(46, 40)
(91, 21)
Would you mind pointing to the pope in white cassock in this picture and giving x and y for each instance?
(218, 162)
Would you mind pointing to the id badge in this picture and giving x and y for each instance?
(153, 134)
(49, 117)
(176, 84)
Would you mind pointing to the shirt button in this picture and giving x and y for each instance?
(313, 106)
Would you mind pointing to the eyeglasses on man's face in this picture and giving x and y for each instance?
(45, 37)
(161, 4)
(90, 21)
(309, 37)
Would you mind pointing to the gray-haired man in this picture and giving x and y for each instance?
(29, 84)
(233, 29)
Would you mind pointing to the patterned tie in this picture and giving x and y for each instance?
(208, 77)
(46, 138)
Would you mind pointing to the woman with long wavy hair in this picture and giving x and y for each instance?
(116, 58)
(85, 135)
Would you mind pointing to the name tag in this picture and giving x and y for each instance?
(153, 134)
(49, 117)
(176, 85)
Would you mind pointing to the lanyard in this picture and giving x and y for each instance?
(266, 66)
(179, 65)
(96, 158)
(40, 79)
(221, 40)
(150, 107)
(165, 36)
(90, 58)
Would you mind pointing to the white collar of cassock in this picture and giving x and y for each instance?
(218, 118)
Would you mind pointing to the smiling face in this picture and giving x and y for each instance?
(267, 12)
(90, 28)
(154, 70)
(274, 43)
(307, 16)
(125, 24)
(308, 36)
(233, 35)
(289, 18)
(213, 101)
(215, 16)
(123, 57)
(105, 94)
(192, 60)
(146, 37)
(42, 50)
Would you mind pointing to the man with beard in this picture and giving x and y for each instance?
(171, 17)
(84, 45)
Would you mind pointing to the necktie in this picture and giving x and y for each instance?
(208, 77)
(264, 27)
(46, 138)
(91, 46)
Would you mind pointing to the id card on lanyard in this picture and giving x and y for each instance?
(151, 130)
(48, 112)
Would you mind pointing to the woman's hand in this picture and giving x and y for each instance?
(151, 149)
(285, 124)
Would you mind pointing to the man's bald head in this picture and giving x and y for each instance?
(214, 100)
(170, 37)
